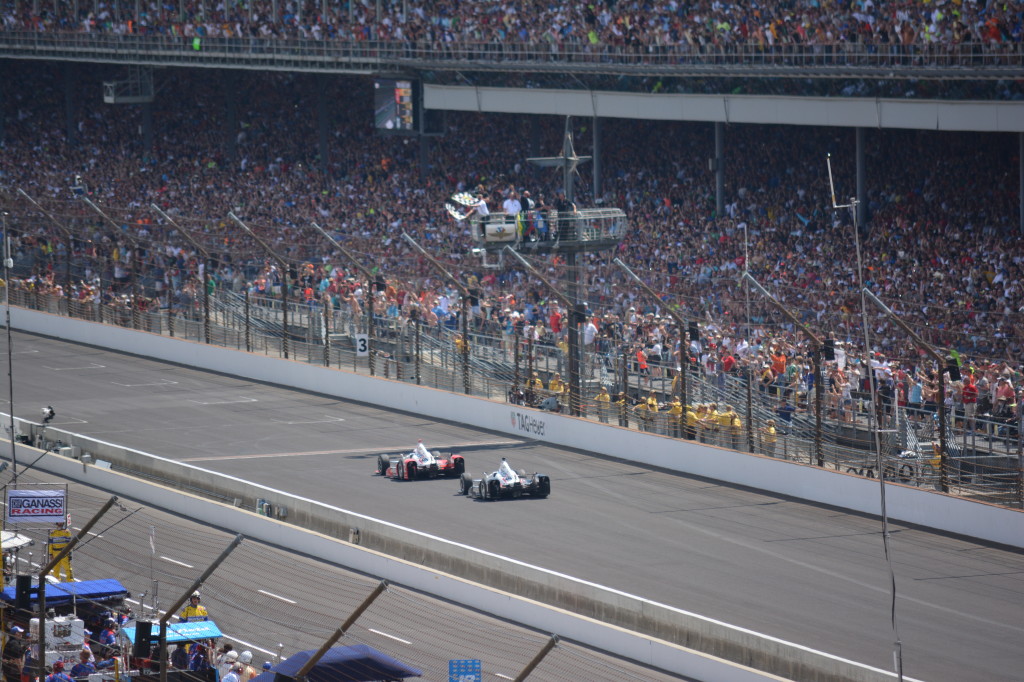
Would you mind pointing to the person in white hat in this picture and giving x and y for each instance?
(248, 672)
(227, 662)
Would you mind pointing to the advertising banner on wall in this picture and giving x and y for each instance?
(36, 506)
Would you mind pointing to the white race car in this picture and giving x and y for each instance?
(506, 482)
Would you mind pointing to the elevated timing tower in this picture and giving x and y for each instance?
(565, 231)
(569, 231)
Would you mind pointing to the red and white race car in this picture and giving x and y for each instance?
(420, 463)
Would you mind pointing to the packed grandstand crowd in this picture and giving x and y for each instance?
(942, 246)
(899, 26)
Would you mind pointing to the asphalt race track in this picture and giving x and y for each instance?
(271, 601)
(801, 572)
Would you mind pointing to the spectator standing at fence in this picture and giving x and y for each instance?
(247, 671)
(58, 674)
(736, 431)
(643, 415)
(233, 674)
(622, 402)
(769, 437)
(725, 419)
(226, 660)
(1005, 398)
(199, 660)
(970, 398)
(708, 415)
(675, 417)
(14, 654)
(603, 400)
(511, 205)
(179, 657)
(566, 210)
(642, 368)
(555, 322)
(785, 413)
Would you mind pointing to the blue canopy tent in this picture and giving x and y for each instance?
(359, 663)
(65, 594)
(182, 632)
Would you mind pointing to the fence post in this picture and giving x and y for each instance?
(750, 409)
(515, 360)
(418, 349)
(248, 323)
(326, 337)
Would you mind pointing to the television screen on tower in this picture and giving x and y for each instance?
(394, 106)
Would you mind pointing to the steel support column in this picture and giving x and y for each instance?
(147, 128)
(323, 132)
(69, 104)
(229, 84)
(719, 169)
(862, 203)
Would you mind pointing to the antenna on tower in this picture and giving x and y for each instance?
(567, 161)
(831, 185)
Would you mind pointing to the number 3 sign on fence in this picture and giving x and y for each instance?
(362, 345)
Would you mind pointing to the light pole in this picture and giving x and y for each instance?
(132, 273)
(206, 279)
(8, 264)
(68, 245)
(873, 424)
(815, 360)
(285, 284)
(746, 268)
(368, 276)
(467, 383)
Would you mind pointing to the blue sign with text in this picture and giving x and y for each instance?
(464, 671)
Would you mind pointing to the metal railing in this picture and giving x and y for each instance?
(984, 458)
(972, 59)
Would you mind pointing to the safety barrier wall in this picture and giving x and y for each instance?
(911, 505)
(510, 585)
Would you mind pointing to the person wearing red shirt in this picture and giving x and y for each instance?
(728, 362)
(969, 395)
(555, 323)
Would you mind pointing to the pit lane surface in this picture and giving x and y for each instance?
(801, 572)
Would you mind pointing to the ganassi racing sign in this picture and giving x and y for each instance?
(26, 506)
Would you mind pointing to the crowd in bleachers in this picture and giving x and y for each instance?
(942, 247)
(898, 27)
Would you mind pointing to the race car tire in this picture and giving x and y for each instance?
(543, 486)
(410, 472)
(493, 490)
(459, 465)
(382, 465)
(465, 484)
(481, 491)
